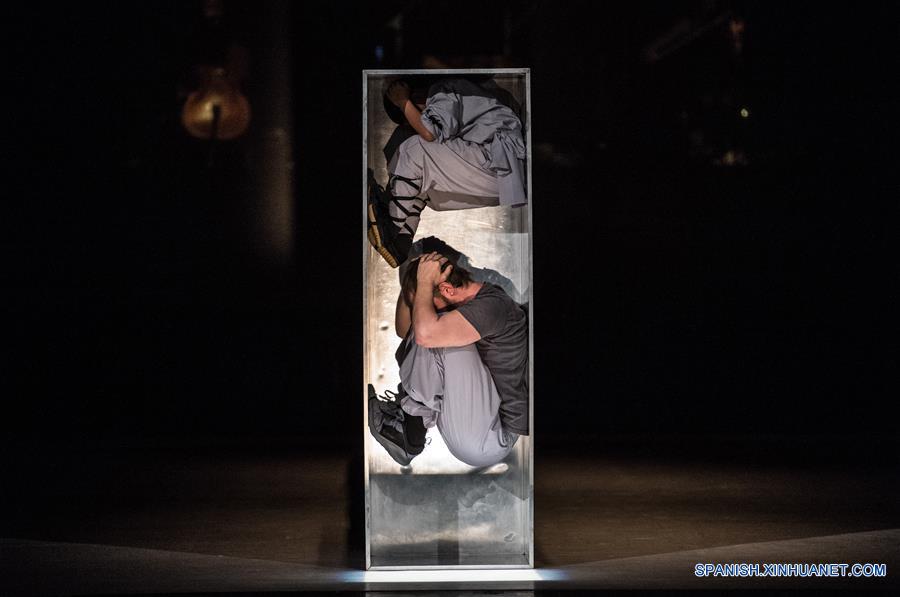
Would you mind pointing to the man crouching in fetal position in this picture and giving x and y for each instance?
(463, 367)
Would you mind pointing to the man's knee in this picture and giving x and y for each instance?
(473, 454)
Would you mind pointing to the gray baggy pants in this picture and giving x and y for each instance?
(453, 389)
(444, 176)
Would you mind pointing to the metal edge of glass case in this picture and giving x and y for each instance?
(528, 455)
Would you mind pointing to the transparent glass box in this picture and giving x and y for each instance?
(438, 512)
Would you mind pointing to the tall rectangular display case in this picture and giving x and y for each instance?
(438, 512)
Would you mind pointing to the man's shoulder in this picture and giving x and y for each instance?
(491, 300)
(490, 291)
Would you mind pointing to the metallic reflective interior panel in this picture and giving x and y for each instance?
(439, 512)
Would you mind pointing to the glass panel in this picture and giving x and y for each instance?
(439, 511)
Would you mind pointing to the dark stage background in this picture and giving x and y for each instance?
(695, 271)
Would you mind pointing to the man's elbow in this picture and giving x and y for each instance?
(425, 340)
(427, 136)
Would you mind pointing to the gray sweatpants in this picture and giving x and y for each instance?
(453, 389)
(444, 176)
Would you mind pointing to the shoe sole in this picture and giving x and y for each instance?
(396, 452)
(375, 238)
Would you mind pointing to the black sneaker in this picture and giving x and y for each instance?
(383, 233)
(401, 434)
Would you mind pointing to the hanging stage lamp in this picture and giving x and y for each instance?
(217, 110)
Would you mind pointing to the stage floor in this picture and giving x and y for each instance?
(635, 512)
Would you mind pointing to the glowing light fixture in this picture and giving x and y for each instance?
(745, 113)
(218, 110)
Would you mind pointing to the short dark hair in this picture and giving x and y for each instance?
(458, 278)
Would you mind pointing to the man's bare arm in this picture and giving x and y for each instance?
(414, 117)
(402, 316)
(432, 331)
(450, 330)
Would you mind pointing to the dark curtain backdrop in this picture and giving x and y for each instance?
(671, 295)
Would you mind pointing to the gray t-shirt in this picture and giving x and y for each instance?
(503, 326)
